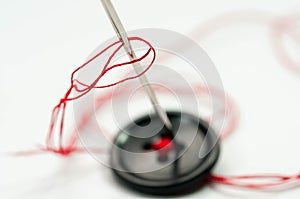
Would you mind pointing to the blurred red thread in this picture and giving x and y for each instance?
(279, 27)
(289, 26)
(265, 182)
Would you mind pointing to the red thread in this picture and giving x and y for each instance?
(58, 112)
(286, 26)
(274, 182)
(279, 26)
(163, 145)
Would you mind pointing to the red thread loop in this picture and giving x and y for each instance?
(58, 112)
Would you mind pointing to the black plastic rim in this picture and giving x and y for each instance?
(185, 183)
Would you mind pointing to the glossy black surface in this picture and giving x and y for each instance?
(165, 172)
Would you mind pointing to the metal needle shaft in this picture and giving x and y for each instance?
(121, 33)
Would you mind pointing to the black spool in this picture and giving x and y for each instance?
(171, 170)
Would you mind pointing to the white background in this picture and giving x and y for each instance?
(41, 42)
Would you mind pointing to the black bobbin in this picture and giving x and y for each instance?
(176, 168)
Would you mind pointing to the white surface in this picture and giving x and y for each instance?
(41, 42)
